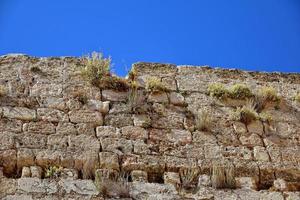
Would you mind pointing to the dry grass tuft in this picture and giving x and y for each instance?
(218, 91)
(240, 91)
(96, 71)
(265, 117)
(246, 114)
(223, 176)
(264, 96)
(203, 121)
(154, 84)
(114, 186)
(133, 95)
(189, 177)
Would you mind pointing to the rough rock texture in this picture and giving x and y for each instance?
(157, 145)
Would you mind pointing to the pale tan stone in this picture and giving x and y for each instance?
(261, 154)
(107, 131)
(172, 178)
(21, 113)
(246, 183)
(158, 97)
(86, 116)
(139, 176)
(134, 132)
(109, 160)
(51, 115)
(176, 99)
(36, 171)
(26, 172)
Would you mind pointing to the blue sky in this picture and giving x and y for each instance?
(247, 34)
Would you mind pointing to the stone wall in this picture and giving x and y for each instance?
(50, 116)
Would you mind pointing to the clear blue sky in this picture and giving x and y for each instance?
(246, 34)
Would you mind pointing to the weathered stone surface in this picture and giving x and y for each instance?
(26, 172)
(7, 140)
(251, 140)
(134, 133)
(176, 99)
(7, 186)
(139, 176)
(204, 180)
(158, 97)
(97, 105)
(172, 178)
(179, 136)
(36, 185)
(10, 125)
(261, 154)
(85, 116)
(109, 160)
(19, 113)
(46, 89)
(51, 115)
(39, 127)
(107, 131)
(117, 145)
(118, 120)
(246, 183)
(31, 140)
(141, 120)
(84, 187)
(204, 137)
(25, 157)
(36, 171)
(111, 95)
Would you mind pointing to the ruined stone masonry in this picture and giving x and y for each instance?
(51, 117)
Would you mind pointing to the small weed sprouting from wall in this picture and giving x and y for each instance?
(96, 70)
(133, 95)
(113, 186)
(53, 172)
(203, 121)
(223, 176)
(154, 84)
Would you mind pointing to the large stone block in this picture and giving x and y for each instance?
(86, 116)
(51, 115)
(109, 160)
(107, 131)
(111, 95)
(179, 136)
(134, 132)
(21, 113)
(31, 140)
(118, 145)
(46, 89)
(36, 185)
(39, 127)
(10, 125)
(7, 140)
(84, 187)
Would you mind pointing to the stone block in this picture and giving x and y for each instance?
(261, 154)
(83, 187)
(118, 120)
(96, 105)
(51, 115)
(172, 178)
(246, 183)
(36, 185)
(25, 157)
(21, 113)
(31, 140)
(86, 116)
(39, 127)
(107, 131)
(178, 136)
(117, 145)
(111, 95)
(139, 176)
(142, 120)
(46, 89)
(36, 171)
(109, 160)
(176, 99)
(158, 97)
(10, 125)
(251, 140)
(256, 127)
(26, 172)
(134, 133)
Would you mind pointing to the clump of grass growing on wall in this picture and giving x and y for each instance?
(240, 91)
(113, 187)
(133, 95)
(154, 84)
(96, 70)
(265, 117)
(53, 172)
(189, 177)
(218, 91)
(203, 121)
(266, 95)
(223, 176)
(246, 114)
